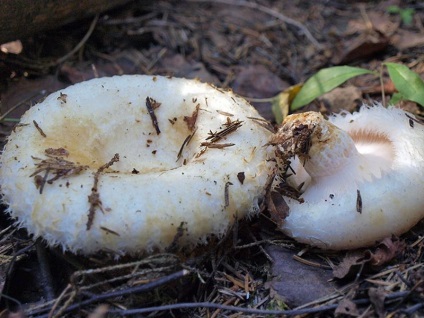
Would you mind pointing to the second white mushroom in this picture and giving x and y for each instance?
(352, 180)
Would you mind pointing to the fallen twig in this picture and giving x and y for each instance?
(80, 44)
(252, 311)
(128, 291)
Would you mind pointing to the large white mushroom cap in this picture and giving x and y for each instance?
(191, 161)
(362, 175)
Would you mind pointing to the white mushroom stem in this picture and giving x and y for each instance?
(361, 176)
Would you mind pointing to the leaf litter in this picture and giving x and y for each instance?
(241, 274)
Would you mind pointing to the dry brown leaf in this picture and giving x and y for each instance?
(179, 66)
(277, 207)
(364, 45)
(377, 296)
(387, 250)
(191, 120)
(348, 265)
(380, 22)
(342, 98)
(404, 40)
(256, 81)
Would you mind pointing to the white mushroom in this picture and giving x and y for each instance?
(135, 163)
(363, 176)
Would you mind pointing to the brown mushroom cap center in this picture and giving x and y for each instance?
(92, 142)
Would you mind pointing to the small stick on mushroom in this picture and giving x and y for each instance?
(358, 201)
(94, 197)
(39, 129)
(230, 127)
(226, 194)
(185, 143)
(151, 104)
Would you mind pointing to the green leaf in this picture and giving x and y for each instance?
(408, 83)
(10, 120)
(407, 16)
(324, 81)
(393, 9)
(396, 98)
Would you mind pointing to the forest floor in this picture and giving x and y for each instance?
(258, 49)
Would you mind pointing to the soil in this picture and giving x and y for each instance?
(258, 49)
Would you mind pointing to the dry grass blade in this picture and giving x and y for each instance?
(81, 43)
(23, 102)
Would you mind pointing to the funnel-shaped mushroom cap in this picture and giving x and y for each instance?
(135, 163)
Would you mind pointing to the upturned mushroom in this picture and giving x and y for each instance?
(352, 180)
(135, 163)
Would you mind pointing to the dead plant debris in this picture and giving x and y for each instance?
(191, 120)
(214, 137)
(230, 126)
(241, 177)
(54, 164)
(39, 129)
(185, 143)
(387, 250)
(94, 197)
(227, 194)
(151, 105)
(239, 276)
